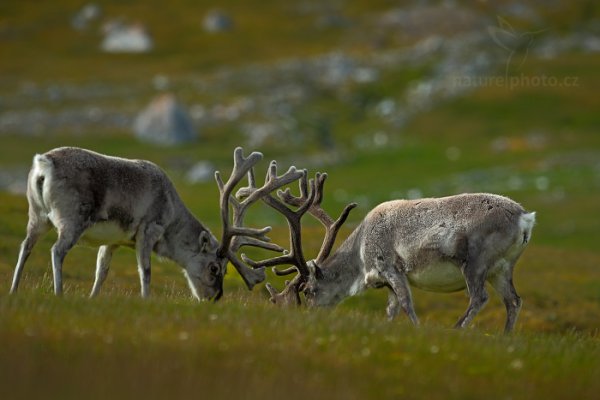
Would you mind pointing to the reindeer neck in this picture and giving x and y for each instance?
(180, 239)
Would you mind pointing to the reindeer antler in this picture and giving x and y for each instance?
(311, 196)
(295, 257)
(331, 227)
(235, 235)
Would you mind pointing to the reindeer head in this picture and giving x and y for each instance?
(207, 265)
(309, 277)
(203, 269)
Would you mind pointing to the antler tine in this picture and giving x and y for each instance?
(250, 194)
(295, 257)
(239, 211)
(241, 166)
(331, 227)
(290, 295)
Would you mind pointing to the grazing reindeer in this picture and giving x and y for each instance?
(118, 202)
(441, 244)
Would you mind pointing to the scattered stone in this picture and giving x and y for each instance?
(448, 42)
(122, 38)
(202, 171)
(86, 15)
(13, 180)
(331, 20)
(386, 107)
(165, 122)
(258, 133)
(217, 21)
(423, 21)
(160, 82)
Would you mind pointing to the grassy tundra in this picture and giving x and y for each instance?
(119, 346)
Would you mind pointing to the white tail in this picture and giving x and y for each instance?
(526, 223)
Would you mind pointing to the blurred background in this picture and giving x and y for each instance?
(395, 99)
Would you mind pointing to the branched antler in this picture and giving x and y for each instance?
(311, 196)
(235, 235)
(272, 182)
(331, 227)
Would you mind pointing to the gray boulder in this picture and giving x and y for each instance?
(123, 38)
(164, 121)
(202, 171)
(86, 15)
(217, 21)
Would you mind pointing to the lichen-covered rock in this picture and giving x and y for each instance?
(217, 21)
(122, 38)
(164, 121)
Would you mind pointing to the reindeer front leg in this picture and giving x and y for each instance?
(400, 296)
(145, 239)
(102, 267)
(401, 291)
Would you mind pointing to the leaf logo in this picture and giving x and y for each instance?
(507, 37)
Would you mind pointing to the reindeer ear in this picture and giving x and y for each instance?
(318, 272)
(315, 270)
(204, 242)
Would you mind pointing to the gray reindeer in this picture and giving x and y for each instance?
(438, 244)
(108, 201)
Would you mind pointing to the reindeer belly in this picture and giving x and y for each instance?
(441, 276)
(102, 233)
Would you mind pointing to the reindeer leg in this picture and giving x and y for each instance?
(393, 305)
(102, 267)
(400, 296)
(68, 236)
(503, 284)
(475, 275)
(145, 239)
(34, 230)
(400, 288)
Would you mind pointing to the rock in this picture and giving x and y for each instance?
(165, 122)
(13, 181)
(258, 133)
(122, 38)
(217, 21)
(202, 171)
(87, 14)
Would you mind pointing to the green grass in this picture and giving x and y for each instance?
(121, 346)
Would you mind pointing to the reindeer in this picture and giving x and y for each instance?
(438, 244)
(108, 201)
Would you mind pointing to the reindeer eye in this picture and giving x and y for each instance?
(214, 269)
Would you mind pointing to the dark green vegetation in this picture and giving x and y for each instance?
(538, 145)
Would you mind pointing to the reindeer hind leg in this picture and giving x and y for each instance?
(475, 274)
(503, 284)
(35, 229)
(68, 235)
